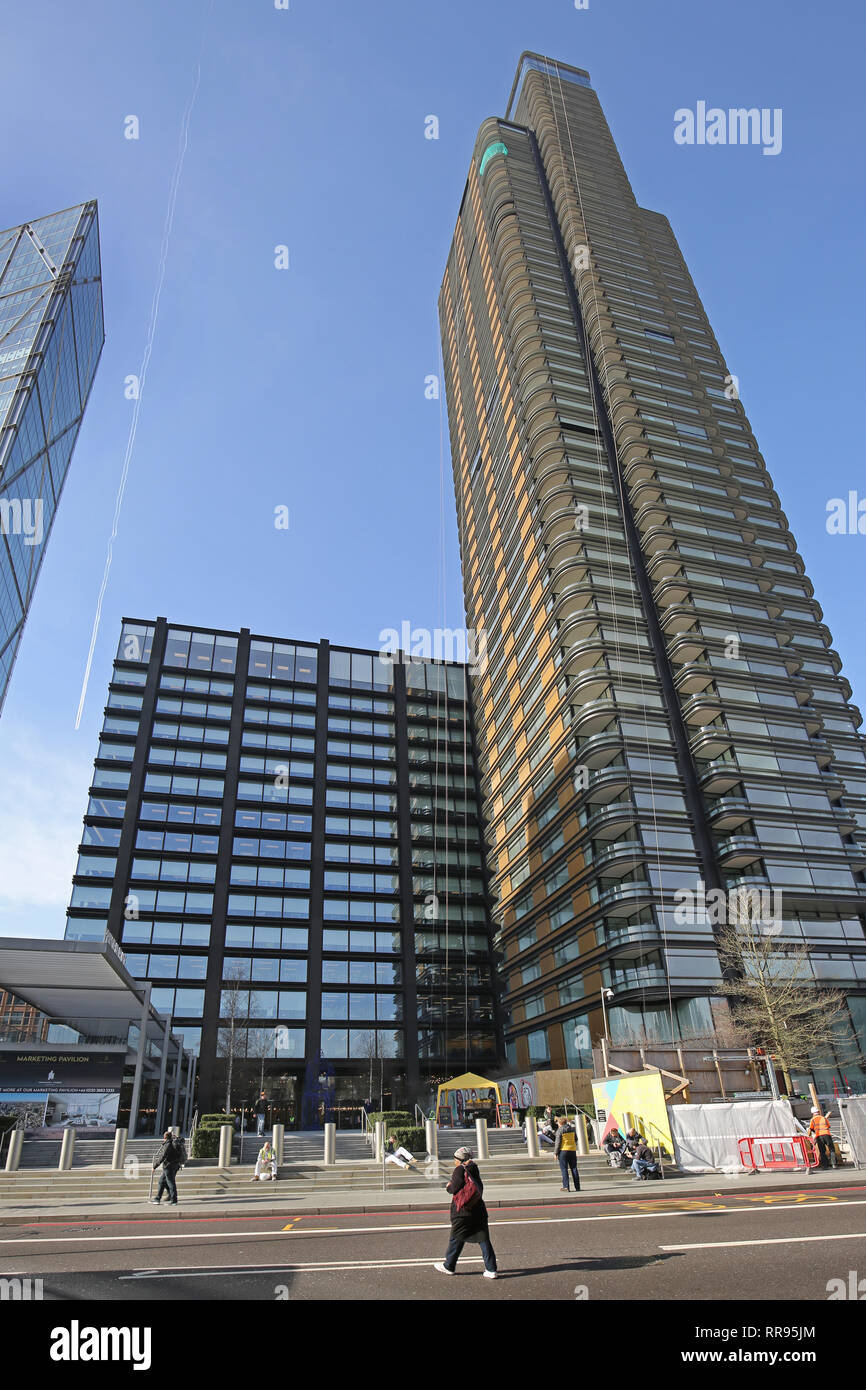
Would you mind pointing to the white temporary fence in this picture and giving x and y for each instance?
(706, 1137)
(852, 1110)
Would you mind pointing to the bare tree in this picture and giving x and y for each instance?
(774, 1001)
(231, 1038)
(368, 1048)
(261, 1044)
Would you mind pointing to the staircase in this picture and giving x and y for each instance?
(89, 1153)
(297, 1178)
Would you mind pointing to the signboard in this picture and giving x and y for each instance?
(60, 1070)
(505, 1115)
(53, 1089)
(444, 1120)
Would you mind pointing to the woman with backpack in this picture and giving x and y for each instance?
(469, 1220)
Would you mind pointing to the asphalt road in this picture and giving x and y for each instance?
(776, 1245)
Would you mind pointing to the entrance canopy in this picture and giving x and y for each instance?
(467, 1096)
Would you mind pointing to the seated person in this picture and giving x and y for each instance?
(266, 1163)
(633, 1138)
(643, 1161)
(546, 1132)
(395, 1153)
(615, 1149)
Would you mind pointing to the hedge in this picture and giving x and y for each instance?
(205, 1142)
(212, 1121)
(392, 1117)
(411, 1138)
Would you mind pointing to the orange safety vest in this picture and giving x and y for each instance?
(819, 1125)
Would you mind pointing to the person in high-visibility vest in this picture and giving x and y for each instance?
(565, 1149)
(819, 1128)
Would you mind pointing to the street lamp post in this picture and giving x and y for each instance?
(605, 994)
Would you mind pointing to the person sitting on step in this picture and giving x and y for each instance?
(266, 1163)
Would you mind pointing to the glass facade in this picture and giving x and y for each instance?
(286, 840)
(662, 709)
(51, 336)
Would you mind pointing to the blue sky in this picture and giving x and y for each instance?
(305, 388)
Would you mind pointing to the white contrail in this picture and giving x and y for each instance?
(148, 348)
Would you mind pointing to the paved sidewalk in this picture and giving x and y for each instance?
(434, 1198)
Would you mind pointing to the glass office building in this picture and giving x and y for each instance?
(662, 707)
(51, 336)
(285, 839)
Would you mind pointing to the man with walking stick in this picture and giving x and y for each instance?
(169, 1156)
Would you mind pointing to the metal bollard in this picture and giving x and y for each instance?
(330, 1143)
(16, 1144)
(531, 1137)
(225, 1154)
(119, 1153)
(481, 1138)
(278, 1141)
(379, 1143)
(582, 1140)
(432, 1138)
(67, 1149)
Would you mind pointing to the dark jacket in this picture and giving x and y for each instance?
(261, 1106)
(168, 1155)
(468, 1222)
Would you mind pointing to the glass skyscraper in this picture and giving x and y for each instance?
(285, 839)
(51, 336)
(662, 711)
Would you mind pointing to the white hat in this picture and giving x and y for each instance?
(815, 1110)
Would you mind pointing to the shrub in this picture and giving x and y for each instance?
(205, 1142)
(7, 1122)
(411, 1137)
(221, 1118)
(392, 1117)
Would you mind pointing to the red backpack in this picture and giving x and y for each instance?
(468, 1194)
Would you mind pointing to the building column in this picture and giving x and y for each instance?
(163, 1068)
(177, 1072)
(213, 984)
(139, 1063)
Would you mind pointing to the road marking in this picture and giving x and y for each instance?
(419, 1226)
(776, 1240)
(319, 1267)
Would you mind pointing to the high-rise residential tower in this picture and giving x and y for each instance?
(662, 711)
(285, 839)
(51, 336)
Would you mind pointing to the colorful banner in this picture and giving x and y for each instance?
(640, 1095)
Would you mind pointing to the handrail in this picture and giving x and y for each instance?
(578, 1111)
(656, 1143)
(419, 1115)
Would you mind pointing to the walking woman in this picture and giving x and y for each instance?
(469, 1220)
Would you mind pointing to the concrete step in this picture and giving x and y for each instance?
(18, 1187)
